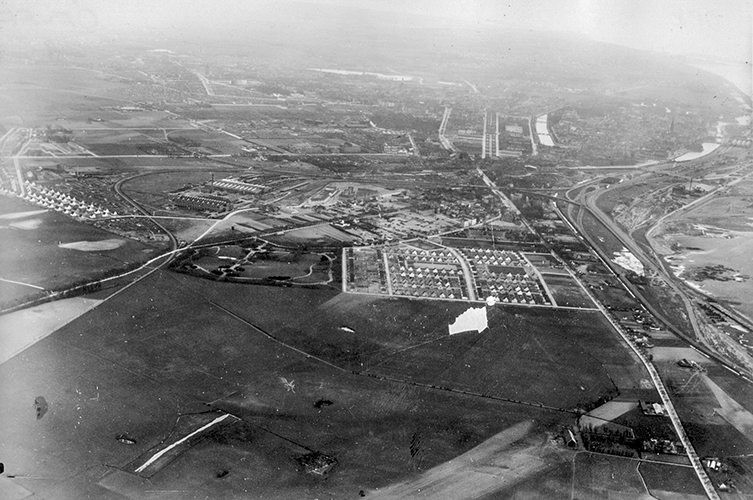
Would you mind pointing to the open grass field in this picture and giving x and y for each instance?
(671, 482)
(31, 252)
(737, 388)
(114, 142)
(567, 292)
(608, 290)
(167, 182)
(732, 411)
(600, 476)
(707, 421)
(322, 234)
(646, 426)
(161, 349)
(555, 481)
(409, 340)
(478, 472)
(165, 348)
(715, 407)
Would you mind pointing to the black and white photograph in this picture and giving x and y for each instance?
(380, 249)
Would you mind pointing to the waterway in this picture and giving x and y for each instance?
(708, 147)
(543, 132)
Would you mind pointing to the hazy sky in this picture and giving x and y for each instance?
(716, 27)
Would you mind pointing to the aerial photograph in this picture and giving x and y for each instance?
(382, 249)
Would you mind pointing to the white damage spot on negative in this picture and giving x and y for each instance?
(474, 319)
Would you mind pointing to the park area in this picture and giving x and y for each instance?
(258, 264)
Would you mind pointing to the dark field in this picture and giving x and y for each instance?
(31, 254)
(567, 292)
(647, 426)
(597, 477)
(594, 227)
(153, 189)
(672, 482)
(609, 291)
(162, 349)
(697, 406)
(112, 142)
(561, 351)
(555, 482)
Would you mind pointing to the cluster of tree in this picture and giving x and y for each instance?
(57, 133)
(617, 450)
(159, 149)
(637, 279)
(611, 440)
(613, 393)
(184, 141)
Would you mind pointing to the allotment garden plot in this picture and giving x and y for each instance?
(422, 269)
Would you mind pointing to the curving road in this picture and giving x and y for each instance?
(655, 378)
(118, 187)
(695, 339)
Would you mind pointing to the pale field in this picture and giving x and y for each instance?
(735, 253)
(740, 418)
(607, 412)
(674, 354)
(24, 328)
(318, 232)
(494, 465)
(93, 246)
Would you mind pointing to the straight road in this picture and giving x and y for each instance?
(696, 337)
(443, 128)
(657, 381)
